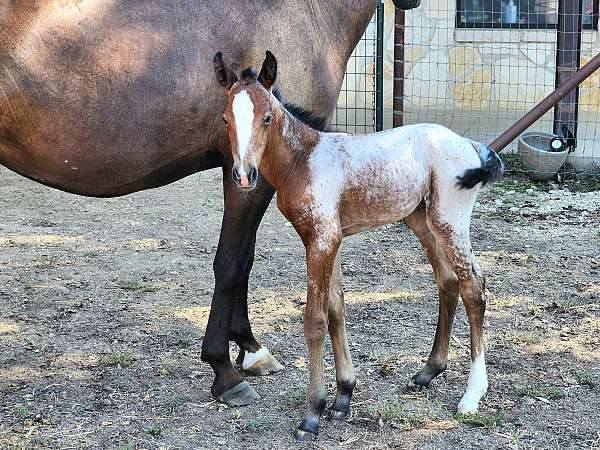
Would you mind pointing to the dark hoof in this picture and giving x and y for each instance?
(241, 395)
(265, 366)
(423, 377)
(421, 380)
(304, 436)
(334, 414)
(309, 427)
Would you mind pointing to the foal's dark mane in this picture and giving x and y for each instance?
(309, 118)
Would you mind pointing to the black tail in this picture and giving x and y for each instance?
(492, 169)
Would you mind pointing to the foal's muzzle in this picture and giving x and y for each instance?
(245, 183)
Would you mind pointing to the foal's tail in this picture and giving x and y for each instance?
(492, 168)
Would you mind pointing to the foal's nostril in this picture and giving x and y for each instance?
(235, 174)
(253, 176)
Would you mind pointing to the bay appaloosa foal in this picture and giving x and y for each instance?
(331, 185)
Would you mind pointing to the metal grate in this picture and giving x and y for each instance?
(478, 70)
(360, 104)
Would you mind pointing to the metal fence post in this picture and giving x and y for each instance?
(379, 69)
(568, 55)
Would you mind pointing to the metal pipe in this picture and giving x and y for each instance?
(502, 141)
(398, 106)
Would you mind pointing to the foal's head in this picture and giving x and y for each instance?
(248, 115)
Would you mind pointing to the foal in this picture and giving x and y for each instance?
(331, 185)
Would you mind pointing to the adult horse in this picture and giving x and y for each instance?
(107, 97)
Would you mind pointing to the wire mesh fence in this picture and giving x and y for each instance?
(360, 106)
(477, 66)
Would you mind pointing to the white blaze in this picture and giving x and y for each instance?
(243, 112)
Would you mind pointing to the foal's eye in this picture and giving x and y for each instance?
(225, 121)
(268, 119)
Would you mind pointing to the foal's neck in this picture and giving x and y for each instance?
(289, 144)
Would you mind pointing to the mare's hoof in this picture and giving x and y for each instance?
(334, 414)
(304, 436)
(264, 366)
(241, 395)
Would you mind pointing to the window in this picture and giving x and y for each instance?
(523, 14)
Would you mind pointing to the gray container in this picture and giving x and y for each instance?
(541, 163)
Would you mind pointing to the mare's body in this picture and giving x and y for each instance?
(104, 98)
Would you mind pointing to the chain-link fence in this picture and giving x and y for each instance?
(360, 104)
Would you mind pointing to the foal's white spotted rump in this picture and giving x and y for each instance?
(332, 185)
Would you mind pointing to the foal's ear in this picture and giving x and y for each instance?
(224, 74)
(268, 73)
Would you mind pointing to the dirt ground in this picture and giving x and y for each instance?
(103, 306)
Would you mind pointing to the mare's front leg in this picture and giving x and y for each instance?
(320, 261)
(228, 315)
(254, 359)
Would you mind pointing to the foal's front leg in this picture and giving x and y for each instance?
(320, 260)
(344, 370)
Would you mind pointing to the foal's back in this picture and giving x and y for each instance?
(382, 177)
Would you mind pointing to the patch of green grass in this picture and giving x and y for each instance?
(296, 398)
(531, 337)
(258, 423)
(155, 431)
(570, 304)
(175, 403)
(139, 286)
(513, 162)
(481, 420)
(131, 445)
(46, 262)
(548, 392)
(22, 412)
(520, 184)
(122, 359)
(214, 205)
(408, 416)
(588, 378)
(585, 184)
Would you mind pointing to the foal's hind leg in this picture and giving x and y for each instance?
(448, 297)
(344, 370)
(449, 219)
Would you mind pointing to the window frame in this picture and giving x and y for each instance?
(522, 26)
